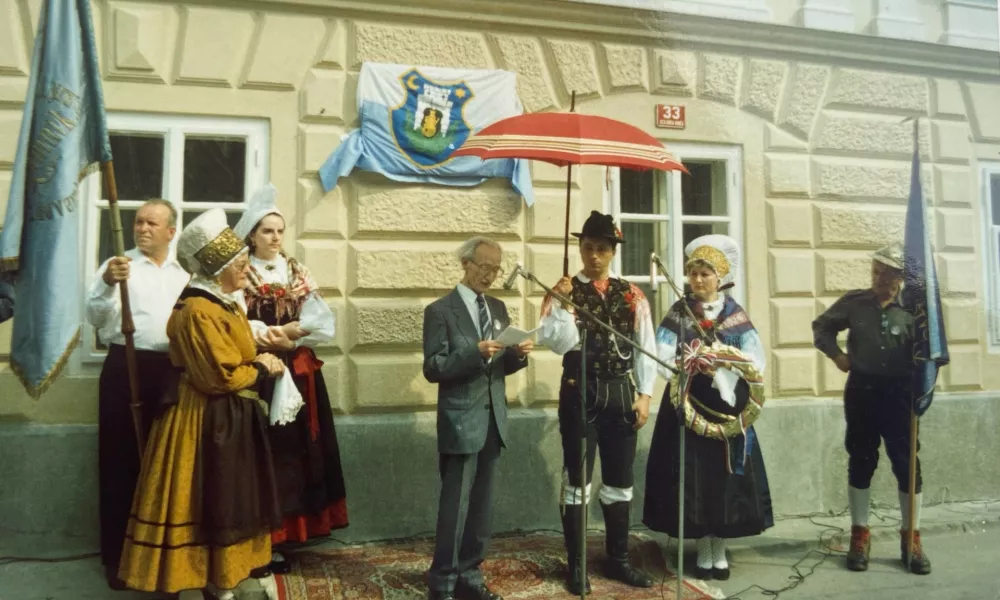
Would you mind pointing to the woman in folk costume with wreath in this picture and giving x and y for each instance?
(283, 301)
(207, 497)
(727, 493)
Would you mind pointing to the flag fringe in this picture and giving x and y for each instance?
(36, 391)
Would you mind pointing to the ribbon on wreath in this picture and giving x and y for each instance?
(695, 360)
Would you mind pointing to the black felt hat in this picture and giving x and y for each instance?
(601, 227)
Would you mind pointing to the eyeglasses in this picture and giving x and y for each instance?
(489, 269)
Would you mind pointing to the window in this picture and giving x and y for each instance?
(197, 163)
(662, 211)
(991, 249)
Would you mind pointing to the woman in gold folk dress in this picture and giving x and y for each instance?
(206, 500)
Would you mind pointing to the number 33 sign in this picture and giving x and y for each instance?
(670, 116)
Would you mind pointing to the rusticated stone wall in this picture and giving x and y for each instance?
(826, 153)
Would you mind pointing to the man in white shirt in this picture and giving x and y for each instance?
(155, 281)
(619, 381)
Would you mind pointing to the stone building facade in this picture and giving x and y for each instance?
(795, 109)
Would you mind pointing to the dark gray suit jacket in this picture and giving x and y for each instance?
(467, 386)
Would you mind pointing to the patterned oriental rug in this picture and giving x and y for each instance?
(519, 568)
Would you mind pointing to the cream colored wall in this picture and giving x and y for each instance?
(826, 176)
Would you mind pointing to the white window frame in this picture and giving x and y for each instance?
(991, 257)
(174, 128)
(673, 256)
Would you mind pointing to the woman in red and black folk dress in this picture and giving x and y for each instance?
(305, 452)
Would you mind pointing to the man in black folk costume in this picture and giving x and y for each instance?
(726, 493)
(619, 383)
(877, 397)
(155, 280)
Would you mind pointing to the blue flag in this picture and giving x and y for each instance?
(64, 138)
(921, 295)
(414, 118)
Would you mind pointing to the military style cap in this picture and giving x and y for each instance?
(890, 256)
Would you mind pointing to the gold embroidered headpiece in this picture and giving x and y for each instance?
(219, 252)
(714, 257)
(207, 244)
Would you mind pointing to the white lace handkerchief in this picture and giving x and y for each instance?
(287, 400)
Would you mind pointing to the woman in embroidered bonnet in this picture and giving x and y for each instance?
(282, 299)
(207, 497)
(726, 491)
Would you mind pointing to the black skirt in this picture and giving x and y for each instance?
(716, 501)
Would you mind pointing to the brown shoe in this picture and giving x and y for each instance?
(918, 563)
(861, 545)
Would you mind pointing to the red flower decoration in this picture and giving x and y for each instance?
(630, 298)
(280, 292)
(706, 324)
(265, 289)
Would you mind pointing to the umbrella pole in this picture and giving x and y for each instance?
(569, 184)
(584, 499)
(128, 325)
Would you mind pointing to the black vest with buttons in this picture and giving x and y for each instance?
(607, 357)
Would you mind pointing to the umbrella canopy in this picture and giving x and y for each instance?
(565, 139)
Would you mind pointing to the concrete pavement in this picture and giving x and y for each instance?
(962, 540)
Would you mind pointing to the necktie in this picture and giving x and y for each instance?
(485, 330)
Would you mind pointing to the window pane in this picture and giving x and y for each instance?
(637, 192)
(704, 191)
(214, 169)
(138, 161)
(693, 230)
(995, 197)
(191, 215)
(640, 240)
(106, 243)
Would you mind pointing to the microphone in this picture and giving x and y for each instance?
(509, 283)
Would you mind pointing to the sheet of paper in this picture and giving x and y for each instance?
(513, 336)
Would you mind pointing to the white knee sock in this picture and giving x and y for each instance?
(270, 587)
(904, 507)
(705, 552)
(859, 501)
(719, 553)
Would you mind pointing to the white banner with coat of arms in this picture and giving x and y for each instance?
(414, 118)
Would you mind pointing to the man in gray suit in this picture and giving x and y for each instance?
(461, 356)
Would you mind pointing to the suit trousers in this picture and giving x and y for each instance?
(465, 514)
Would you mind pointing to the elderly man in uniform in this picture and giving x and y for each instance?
(462, 356)
(155, 280)
(877, 397)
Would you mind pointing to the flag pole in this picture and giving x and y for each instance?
(128, 325)
(911, 518)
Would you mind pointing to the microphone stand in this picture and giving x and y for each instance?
(682, 427)
(583, 409)
(586, 313)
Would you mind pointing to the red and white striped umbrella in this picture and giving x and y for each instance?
(566, 139)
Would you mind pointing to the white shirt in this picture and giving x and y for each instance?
(469, 298)
(320, 316)
(152, 289)
(560, 334)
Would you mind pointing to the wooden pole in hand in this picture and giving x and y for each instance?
(569, 183)
(128, 326)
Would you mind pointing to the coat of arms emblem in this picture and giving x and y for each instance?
(429, 125)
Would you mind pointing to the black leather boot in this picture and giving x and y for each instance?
(616, 518)
(575, 578)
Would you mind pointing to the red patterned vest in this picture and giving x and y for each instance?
(607, 357)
